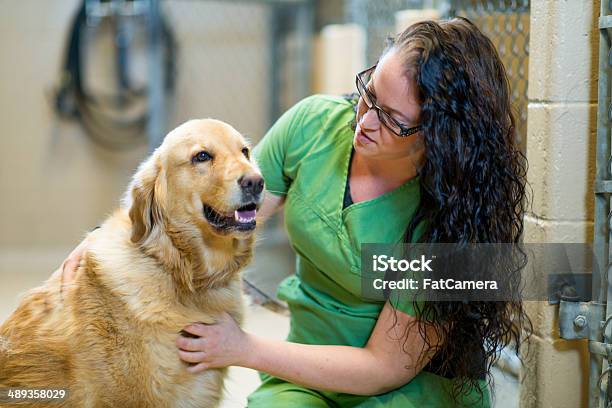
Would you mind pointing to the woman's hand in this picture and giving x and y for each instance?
(67, 271)
(384, 364)
(218, 345)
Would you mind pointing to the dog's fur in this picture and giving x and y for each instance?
(156, 265)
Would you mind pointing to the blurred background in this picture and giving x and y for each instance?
(90, 87)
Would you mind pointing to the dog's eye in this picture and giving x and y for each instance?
(245, 151)
(201, 157)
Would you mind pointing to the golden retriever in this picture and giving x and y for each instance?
(170, 256)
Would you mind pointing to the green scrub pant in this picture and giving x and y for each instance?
(276, 393)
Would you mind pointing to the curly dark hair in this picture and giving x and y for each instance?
(472, 184)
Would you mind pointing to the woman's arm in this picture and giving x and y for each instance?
(384, 364)
(270, 205)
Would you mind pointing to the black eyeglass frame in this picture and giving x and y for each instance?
(405, 131)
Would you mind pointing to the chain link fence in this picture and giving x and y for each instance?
(506, 23)
(378, 20)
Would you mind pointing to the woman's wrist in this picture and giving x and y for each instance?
(250, 353)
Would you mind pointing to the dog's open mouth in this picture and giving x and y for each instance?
(243, 218)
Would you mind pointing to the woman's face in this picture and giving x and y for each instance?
(397, 94)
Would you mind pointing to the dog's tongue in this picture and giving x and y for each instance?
(245, 216)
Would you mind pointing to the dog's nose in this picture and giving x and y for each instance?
(253, 184)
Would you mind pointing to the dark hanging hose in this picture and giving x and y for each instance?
(113, 121)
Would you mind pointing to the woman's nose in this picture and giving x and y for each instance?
(370, 120)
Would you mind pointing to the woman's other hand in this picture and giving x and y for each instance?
(217, 345)
(67, 271)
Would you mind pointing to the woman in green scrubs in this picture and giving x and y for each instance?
(426, 154)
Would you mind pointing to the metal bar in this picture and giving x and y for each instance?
(605, 21)
(601, 349)
(304, 29)
(276, 61)
(603, 186)
(156, 120)
(122, 49)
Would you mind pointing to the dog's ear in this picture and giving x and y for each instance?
(146, 192)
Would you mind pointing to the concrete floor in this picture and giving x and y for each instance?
(22, 269)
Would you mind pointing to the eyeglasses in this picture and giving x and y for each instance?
(393, 125)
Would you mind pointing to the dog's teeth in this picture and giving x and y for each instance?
(242, 219)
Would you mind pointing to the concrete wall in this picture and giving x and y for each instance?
(561, 153)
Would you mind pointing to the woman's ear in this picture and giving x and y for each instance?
(145, 209)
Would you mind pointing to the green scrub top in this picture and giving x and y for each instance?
(305, 156)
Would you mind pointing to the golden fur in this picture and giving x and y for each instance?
(153, 267)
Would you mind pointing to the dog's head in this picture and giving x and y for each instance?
(201, 179)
